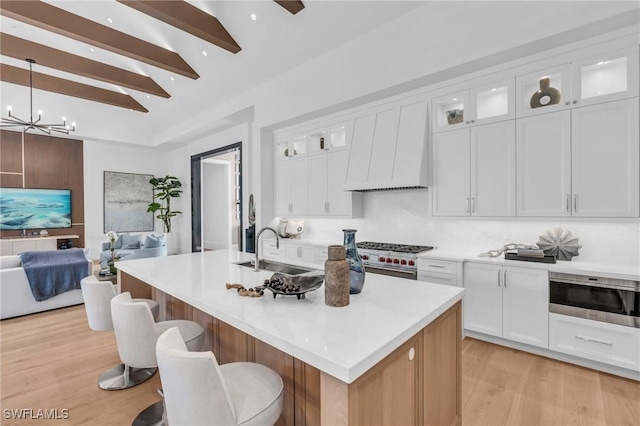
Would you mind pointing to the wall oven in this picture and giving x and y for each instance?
(601, 299)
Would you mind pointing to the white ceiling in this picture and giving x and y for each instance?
(276, 42)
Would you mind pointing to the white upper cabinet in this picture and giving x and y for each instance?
(311, 167)
(598, 79)
(544, 165)
(474, 171)
(493, 169)
(605, 160)
(480, 105)
(606, 77)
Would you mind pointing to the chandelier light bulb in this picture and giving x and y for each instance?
(10, 108)
(39, 112)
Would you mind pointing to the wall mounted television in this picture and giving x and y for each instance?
(27, 208)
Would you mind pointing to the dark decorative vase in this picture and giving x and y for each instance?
(356, 266)
(112, 268)
(545, 96)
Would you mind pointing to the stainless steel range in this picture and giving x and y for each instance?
(399, 260)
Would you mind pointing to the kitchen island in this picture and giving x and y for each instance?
(391, 357)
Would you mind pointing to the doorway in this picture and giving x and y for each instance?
(216, 199)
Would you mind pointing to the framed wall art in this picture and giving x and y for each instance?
(126, 198)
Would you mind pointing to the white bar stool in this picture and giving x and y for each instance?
(97, 297)
(137, 333)
(198, 391)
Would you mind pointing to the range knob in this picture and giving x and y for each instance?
(365, 257)
(381, 259)
(389, 260)
(403, 262)
(396, 261)
(411, 263)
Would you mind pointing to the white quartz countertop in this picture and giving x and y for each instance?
(575, 266)
(343, 342)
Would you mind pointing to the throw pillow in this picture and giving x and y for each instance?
(118, 243)
(154, 241)
(131, 242)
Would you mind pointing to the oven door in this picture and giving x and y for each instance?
(411, 275)
(607, 303)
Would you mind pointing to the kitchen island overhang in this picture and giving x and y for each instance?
(344, 343)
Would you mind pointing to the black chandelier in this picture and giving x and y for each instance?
(13, 121)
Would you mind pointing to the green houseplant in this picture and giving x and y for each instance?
(164, 189)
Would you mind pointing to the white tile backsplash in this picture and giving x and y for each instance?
(404, 217)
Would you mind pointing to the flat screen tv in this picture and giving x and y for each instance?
(26, 208)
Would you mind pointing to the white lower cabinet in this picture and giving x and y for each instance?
(440, 272)
(598, 341)
(300, 253)
(507, 301)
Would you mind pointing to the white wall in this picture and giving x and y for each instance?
(100, 157)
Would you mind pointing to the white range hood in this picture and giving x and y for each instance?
(388, 148)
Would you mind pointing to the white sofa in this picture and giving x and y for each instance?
(15, 293)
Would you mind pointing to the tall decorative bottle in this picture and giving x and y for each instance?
(356, 266)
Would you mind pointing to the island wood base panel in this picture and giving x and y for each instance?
(419, 383)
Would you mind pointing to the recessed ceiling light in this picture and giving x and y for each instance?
(253, 16)
(172, 79)
(109, 20)
(494, 89)
(204, 53)
(454, 99)
(148, 97)
(92, 49)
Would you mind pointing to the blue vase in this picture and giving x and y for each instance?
(356, 266)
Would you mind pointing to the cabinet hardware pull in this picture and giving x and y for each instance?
(498, 278)
(567, 103)
(466, 122)
(473, 121)
(575, 203)
(575, 101)
(505, 279)
(299, 252)
(591, 339)
(412, 354)
(568, 196)
(435, 266)
(473, 204)
(467, 204)
(328, 207)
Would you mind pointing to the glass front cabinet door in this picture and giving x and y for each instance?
(479, 105)
(605, 78)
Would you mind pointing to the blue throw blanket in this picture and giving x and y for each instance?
(53, 272)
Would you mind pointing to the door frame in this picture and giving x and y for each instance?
(196, 194)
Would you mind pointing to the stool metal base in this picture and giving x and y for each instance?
(153, 415)
(123, 377)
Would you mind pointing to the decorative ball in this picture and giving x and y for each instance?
(559, 243)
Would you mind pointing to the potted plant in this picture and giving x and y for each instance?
(113, 256)
(164, 189)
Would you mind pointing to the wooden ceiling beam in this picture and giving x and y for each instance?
(20, 76)
(189, 18)
(58, 59)
(292, 6)
(59, 21)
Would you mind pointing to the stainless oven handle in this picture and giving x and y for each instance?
(591, 339)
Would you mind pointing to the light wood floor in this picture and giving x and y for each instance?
(52, 361)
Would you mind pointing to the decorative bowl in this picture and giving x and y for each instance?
(306, 284)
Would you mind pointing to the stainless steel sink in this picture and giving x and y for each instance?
(282, 268)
